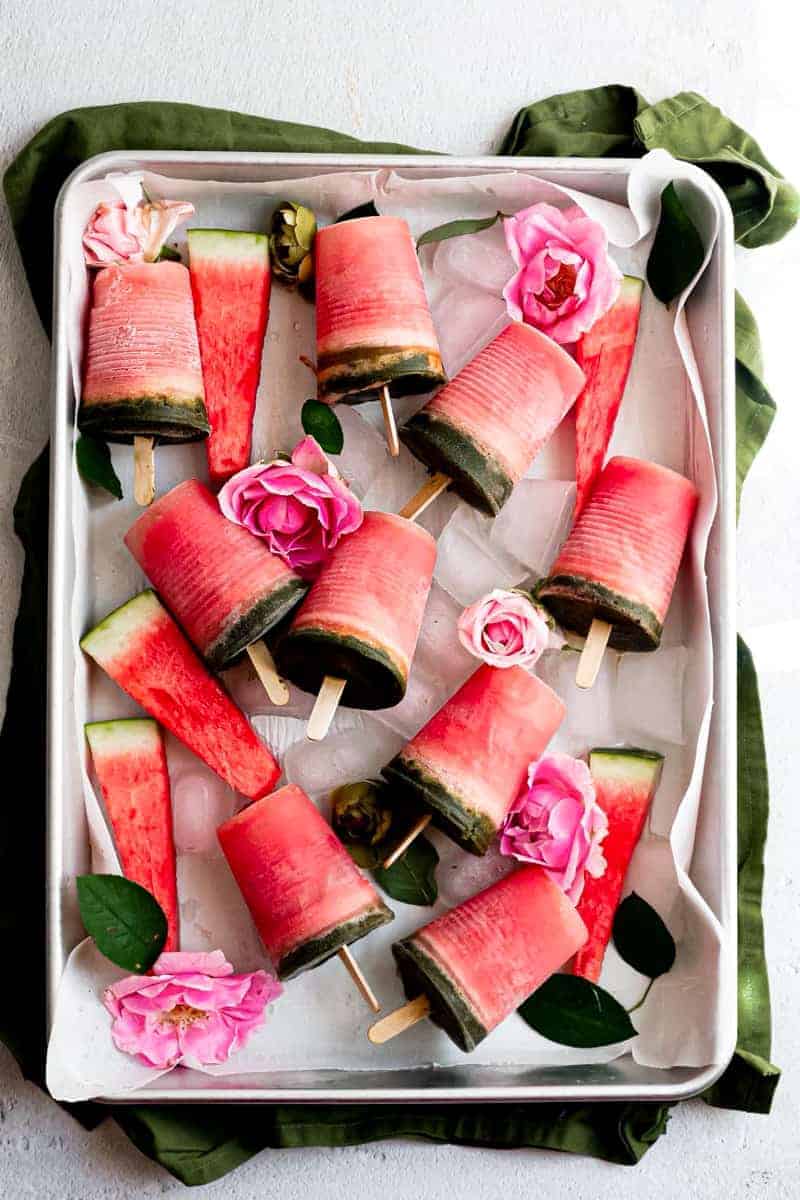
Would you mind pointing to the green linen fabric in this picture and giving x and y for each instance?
(198, 1144)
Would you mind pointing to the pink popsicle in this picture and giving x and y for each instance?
(305, 894)
(621, 559)
(469, 762)
(362, 617)
(479, 961)
(221, 583)
(485, 427)
(374, 325)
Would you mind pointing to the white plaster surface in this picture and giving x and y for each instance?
(447, 76)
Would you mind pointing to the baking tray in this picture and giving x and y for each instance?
(709, 314)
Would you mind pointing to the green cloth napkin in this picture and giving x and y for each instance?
(198, 1144)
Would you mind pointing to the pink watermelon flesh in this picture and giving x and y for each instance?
(231, 288)
(625, 782)
(142, 649)
(131, 768)
(605, 354)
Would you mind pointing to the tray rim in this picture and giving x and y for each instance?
(724, 708)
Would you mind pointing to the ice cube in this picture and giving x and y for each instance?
(649, 699)
(533, 523)
(395, 483)
(200, 802)
(285, 380)
(319, 767)
(461, 875)
(479, 260)
(470, 562)
(590, 718)
(364, 454)
(467, 319)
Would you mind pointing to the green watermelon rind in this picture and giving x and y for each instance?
(163, 418)
(471, 830)
(575, 602)
(450, 1009)
(255, 623)
(357, 374)
(316, 950)
(305, 656)
(233, 245)
(476, 476)
(123, 622)
(122, 735)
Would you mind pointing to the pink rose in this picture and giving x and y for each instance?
(192, 1009)
(557, 823)
(504, 629)
(118, 233)
(566, 280)
(301, 508)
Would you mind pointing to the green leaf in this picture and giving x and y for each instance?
(677, 252)
(575, 1012)
(94, 463)
(412, 879)
(354, 214)
(322, 423)
(367, 857)
(457, 229)
(168, 254)
(641, 937)
(126, 922)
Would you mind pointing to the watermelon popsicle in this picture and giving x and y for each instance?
(465, 768)
(223, 585)
(305, 894)
(614, 576)
(142, 376)
(481, 432)
(231, 283)
(131, 768)
(142, 649)
(472, 967)
(374, 326)
(355, 634)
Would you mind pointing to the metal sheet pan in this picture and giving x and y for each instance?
(710, 317)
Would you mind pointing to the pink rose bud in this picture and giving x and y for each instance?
(504, 629)
(192, 1009)
(112, 236)
(300, 508)
(557, 823)
(566, 280)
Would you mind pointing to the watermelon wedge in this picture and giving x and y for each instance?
(142, 649)
(604, 355)
(625, 782)
(131, 768)
(231, 286)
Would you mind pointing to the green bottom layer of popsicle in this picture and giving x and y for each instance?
(358, 374)
(315, 951)
(164, 418)
(476, 476)
(471, 830)
(449, 1007)
(575, 602)
(254, 624)
(306, 656)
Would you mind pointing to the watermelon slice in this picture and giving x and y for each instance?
(231, 287)
(142, 649)
(604, 354)
(625, 782)
(131, 768)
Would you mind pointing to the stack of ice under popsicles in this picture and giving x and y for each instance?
(351, 636)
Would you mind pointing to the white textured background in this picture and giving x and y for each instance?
(448, 76)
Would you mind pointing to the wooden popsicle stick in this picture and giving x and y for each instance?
(592, 653)
(325, 706)
(399, 1020)
(144, 471)
(264, 665)
(426, 495)
(359, 979)
(391, 425)
(414, 832)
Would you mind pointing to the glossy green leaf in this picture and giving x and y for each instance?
(451, 229)
(677, 252)
(94, 464)
(126, 922)
(412, 879)
(322, 423)
(641, 937)
(575, 1012)
(362, 210)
